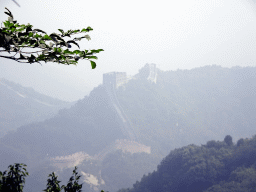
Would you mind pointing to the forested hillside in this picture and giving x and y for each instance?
(192, 106)
(218, 166)
(183, 107)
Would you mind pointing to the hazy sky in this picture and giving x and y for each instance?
(172, 34)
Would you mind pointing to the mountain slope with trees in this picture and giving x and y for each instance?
(218, 166)
(183, 107)
(191, 106)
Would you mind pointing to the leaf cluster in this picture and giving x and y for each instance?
(14, 180)
(52, 48)
(72, 186)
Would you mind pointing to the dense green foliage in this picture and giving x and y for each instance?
(123, 169)
(15, 37)
(214, 167)
(14, 180)
(228, 140)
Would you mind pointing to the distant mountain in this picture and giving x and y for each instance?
(173, 110)
(191, 106)
(21, 106)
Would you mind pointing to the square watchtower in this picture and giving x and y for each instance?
(114, 78)
(149, 72)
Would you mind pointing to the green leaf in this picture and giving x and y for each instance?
(53, 35)
(21, 29)
(7, 23)
(71, 41)
(77, 51)
(79, 38)
(13, 29)
(36, 36)
(95, 50)
(87, 29)
(82, 54)
(39, 30)
(8, 13)
(67, 51)
(87, 37)
(77, 30)
(10, 25)
(59, 50)
(93, 64)
(42, 42)
(61, 31)
(22, 57)
(92, 57)
(66, 34)
(28, 29)
(46, 37)
(63, 44)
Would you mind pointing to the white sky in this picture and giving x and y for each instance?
(170, 33)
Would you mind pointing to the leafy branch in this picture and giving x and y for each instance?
(14, 180)
(50, 48)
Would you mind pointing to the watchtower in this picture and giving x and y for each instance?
(149, 72)
(114, 78)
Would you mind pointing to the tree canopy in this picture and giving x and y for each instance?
(14, 38)
(14, 180)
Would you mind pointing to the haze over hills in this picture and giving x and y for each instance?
(192, 106)
(47, 79)
(22, 106)
(174, 109)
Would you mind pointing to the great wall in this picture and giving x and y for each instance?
(111, 81)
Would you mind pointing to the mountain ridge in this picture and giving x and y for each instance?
(182, 107)
(21, 105)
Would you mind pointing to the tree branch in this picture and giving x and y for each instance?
(15, 37)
